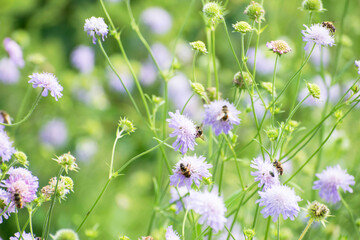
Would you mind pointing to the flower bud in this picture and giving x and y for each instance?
(66, 234)
(249, 233)
(67, 161)
(255, 11)
(21, 158)
(199, 46)
(239, 80)
(267, 86)
(126, 125)
(355, 89)
(318, 212)
(211, 93)
(312, 5)
(292, 126)
(212, 11)
(242, 27)
(314, 90)
(157, 100)
(199, 89)
(272, 134)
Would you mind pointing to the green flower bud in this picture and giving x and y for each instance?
(313, 5)
(65, 234)
(272, 134)
(318, 212)
(126, 125)
(239, 80)
(199, 46)
(249, 233)
(211, 93)
(255, 11)
(199, 89)
(213, 11)
(314, 90)
(267, 86)
(21, 158)
(124, 238)
(157, 100)
(355, 89)
(242, 27)
(67, 161)
(292, 126)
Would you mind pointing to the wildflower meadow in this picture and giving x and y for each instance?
(179, 119)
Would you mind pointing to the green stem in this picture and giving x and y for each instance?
(194, 66)
(311, 220)
(183, 225)
(236, 215)
(214, 61)
(273, 92)
(229, 232)
(351, 216)
(118, 136)
(30, 222)
(267, 228)
(278, 229)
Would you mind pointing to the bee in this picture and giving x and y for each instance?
(278, 167)
(185, 170)
(199, 132)
(330, 26)
(224, 116)
(18, 201)
(6, 117)
(272, 173)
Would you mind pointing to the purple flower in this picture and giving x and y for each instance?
(4, 198)
(9, 73)
(21, 182)
(317, 34)
(266, 173)
(210, 206)
(125, 75)
(184, 130)
(171, 234)
(157, 19)
(175, 198)
(189, 170)
(148, 73)
(221, 115)
(48, 82)
(330, 180)
(357, 64)
(6, 147)
(54, 133)
(265, 61)
(24, 236)
(14, 51)
(162, 55)
(83, 58)
(96, 26)
(278, 200)
(278, 46)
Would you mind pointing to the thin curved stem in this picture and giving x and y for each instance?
(308, 225)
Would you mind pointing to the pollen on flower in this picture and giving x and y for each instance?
(278, 46)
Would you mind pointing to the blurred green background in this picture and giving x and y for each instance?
(90, 109)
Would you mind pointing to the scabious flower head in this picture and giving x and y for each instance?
(171, 234)
(184, 131)
(221, 115)
(242, 27)
(126, 125)
(21, 182)
(266, 173)
(96, 26)
(9, 73)
(278, 46)
(278, 200)
(175, 198)
(255, 12)
(317, 34)
(6, 147)
(318, 212)
(48, 82)
(157, 19)
(83, 59)
(65, 234)
(65, 185)
(190, 169)
(357, 64)
(213, 11)
(313, 5)
(210, 206)
(242, 79)
(199, 46)
(14, 51)
(330, 180)
(24, 236)
(67, 161)
(4, 202)
(314, 90)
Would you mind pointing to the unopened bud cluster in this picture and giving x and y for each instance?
(318, 212)
(199, 46)
(65, 234)
(242, 79)
(213, 11)
(242, 27)
(314, 90)
(312, 5)
(67, 161)
(21, 158)
(64, 186)
(126, 125)
(255, 12)
(272, 134)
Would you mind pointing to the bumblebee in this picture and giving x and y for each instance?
(224, 116)
(185, 170)
(6, 117)
(18, 201)
(278, 167)
(199, 132)
(330, 26)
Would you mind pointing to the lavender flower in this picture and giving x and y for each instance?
(171, 234)
(83, 59)
(125, 75)
(210, 206)
(54, 133)
(157, 19)
(6, 148)
(330, 180)
(9, 73)
(175, 198)
(189, 170)
(221, 115)
(278, 200)
(266, 173)
(265, 61)
(317, 34)
(357, 64)
(96, 26)
(4, 201)
(24, 236)
(147, 73)
(184, 130)
(21, 182)
(48, 82)
(14, 51)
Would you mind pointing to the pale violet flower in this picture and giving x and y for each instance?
(48, 82)
(114, 81)
(171, 234)
(54, 133)
(96, 26)
(6, 146)
(5, 199)
(190, 169)
(357, 64)
(317, 34)
(330, 180)
(162, 55)
(14, 51)
(9, 73)
(148, 73)
(316, 57)
(265, 61)
(184, 131)
(266, 173)
(278, 200)
(157, 19)
(24, 236)
(83, 58)
(221, 115)
(175, 198)
(210, 206)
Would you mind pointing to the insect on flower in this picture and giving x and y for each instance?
(18, 200)
(278, 167)
(199, 132)
(185, 170)
(330, 26)
(6, 117)
(224, 116)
